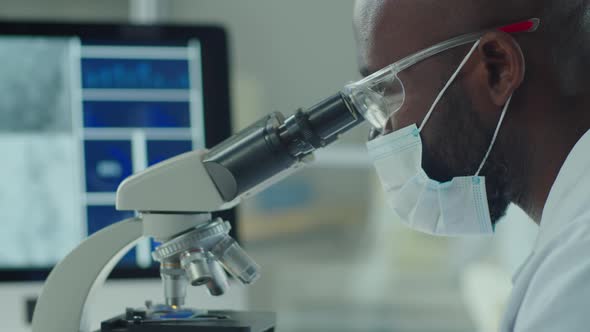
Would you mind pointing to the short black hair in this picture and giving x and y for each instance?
(566, 34)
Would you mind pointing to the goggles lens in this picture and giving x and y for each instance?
(377, 97)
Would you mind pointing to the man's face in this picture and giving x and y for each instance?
(457, 136)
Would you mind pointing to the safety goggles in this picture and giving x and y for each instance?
(378, 96)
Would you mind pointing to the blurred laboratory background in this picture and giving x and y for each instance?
(333, 256)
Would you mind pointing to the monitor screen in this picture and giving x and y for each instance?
(83, 108)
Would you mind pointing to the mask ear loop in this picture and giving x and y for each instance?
(495, 135)
(446, 87)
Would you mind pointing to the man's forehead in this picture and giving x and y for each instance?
(388, 30)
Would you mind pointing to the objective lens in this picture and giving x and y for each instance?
(197, 267)
(218, 284)
(236, 261)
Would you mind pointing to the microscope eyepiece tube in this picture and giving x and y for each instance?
(273, 145)
(248, 158)
(319, 126)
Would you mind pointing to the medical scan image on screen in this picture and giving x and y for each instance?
(76, 118)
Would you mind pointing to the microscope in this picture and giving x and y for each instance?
(174, 201)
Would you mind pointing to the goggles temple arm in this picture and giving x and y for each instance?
(529, 25)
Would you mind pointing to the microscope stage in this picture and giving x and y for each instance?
(187, 320)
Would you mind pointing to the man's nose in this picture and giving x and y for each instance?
(373, 133)
(388, 129)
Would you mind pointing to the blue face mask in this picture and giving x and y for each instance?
(457, 207)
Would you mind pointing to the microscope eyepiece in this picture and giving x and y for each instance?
(273, 145)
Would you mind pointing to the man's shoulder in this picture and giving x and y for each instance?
(557, 283)
(567, 248)
(573, 233)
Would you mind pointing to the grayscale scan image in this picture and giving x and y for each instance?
(35, 85)
(39, 180)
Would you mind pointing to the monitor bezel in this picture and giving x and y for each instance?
(216, 91)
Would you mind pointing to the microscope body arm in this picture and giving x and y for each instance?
(61, 305)
(72, 282)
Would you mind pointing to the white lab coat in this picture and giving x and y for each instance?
(552, 288)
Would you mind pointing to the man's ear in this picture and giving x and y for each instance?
(504, 65)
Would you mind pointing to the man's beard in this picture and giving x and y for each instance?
(457, 144)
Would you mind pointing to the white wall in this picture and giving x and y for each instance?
(60, 10)
(285, 54)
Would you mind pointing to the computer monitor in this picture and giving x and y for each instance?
(83, 106)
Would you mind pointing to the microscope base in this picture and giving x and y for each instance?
(206, 321)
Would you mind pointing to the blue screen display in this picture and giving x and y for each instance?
(136, 114)
(82, 117)
(107, 164)
(135, 74)
(161, 150)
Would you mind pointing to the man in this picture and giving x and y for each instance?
(512, 107)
